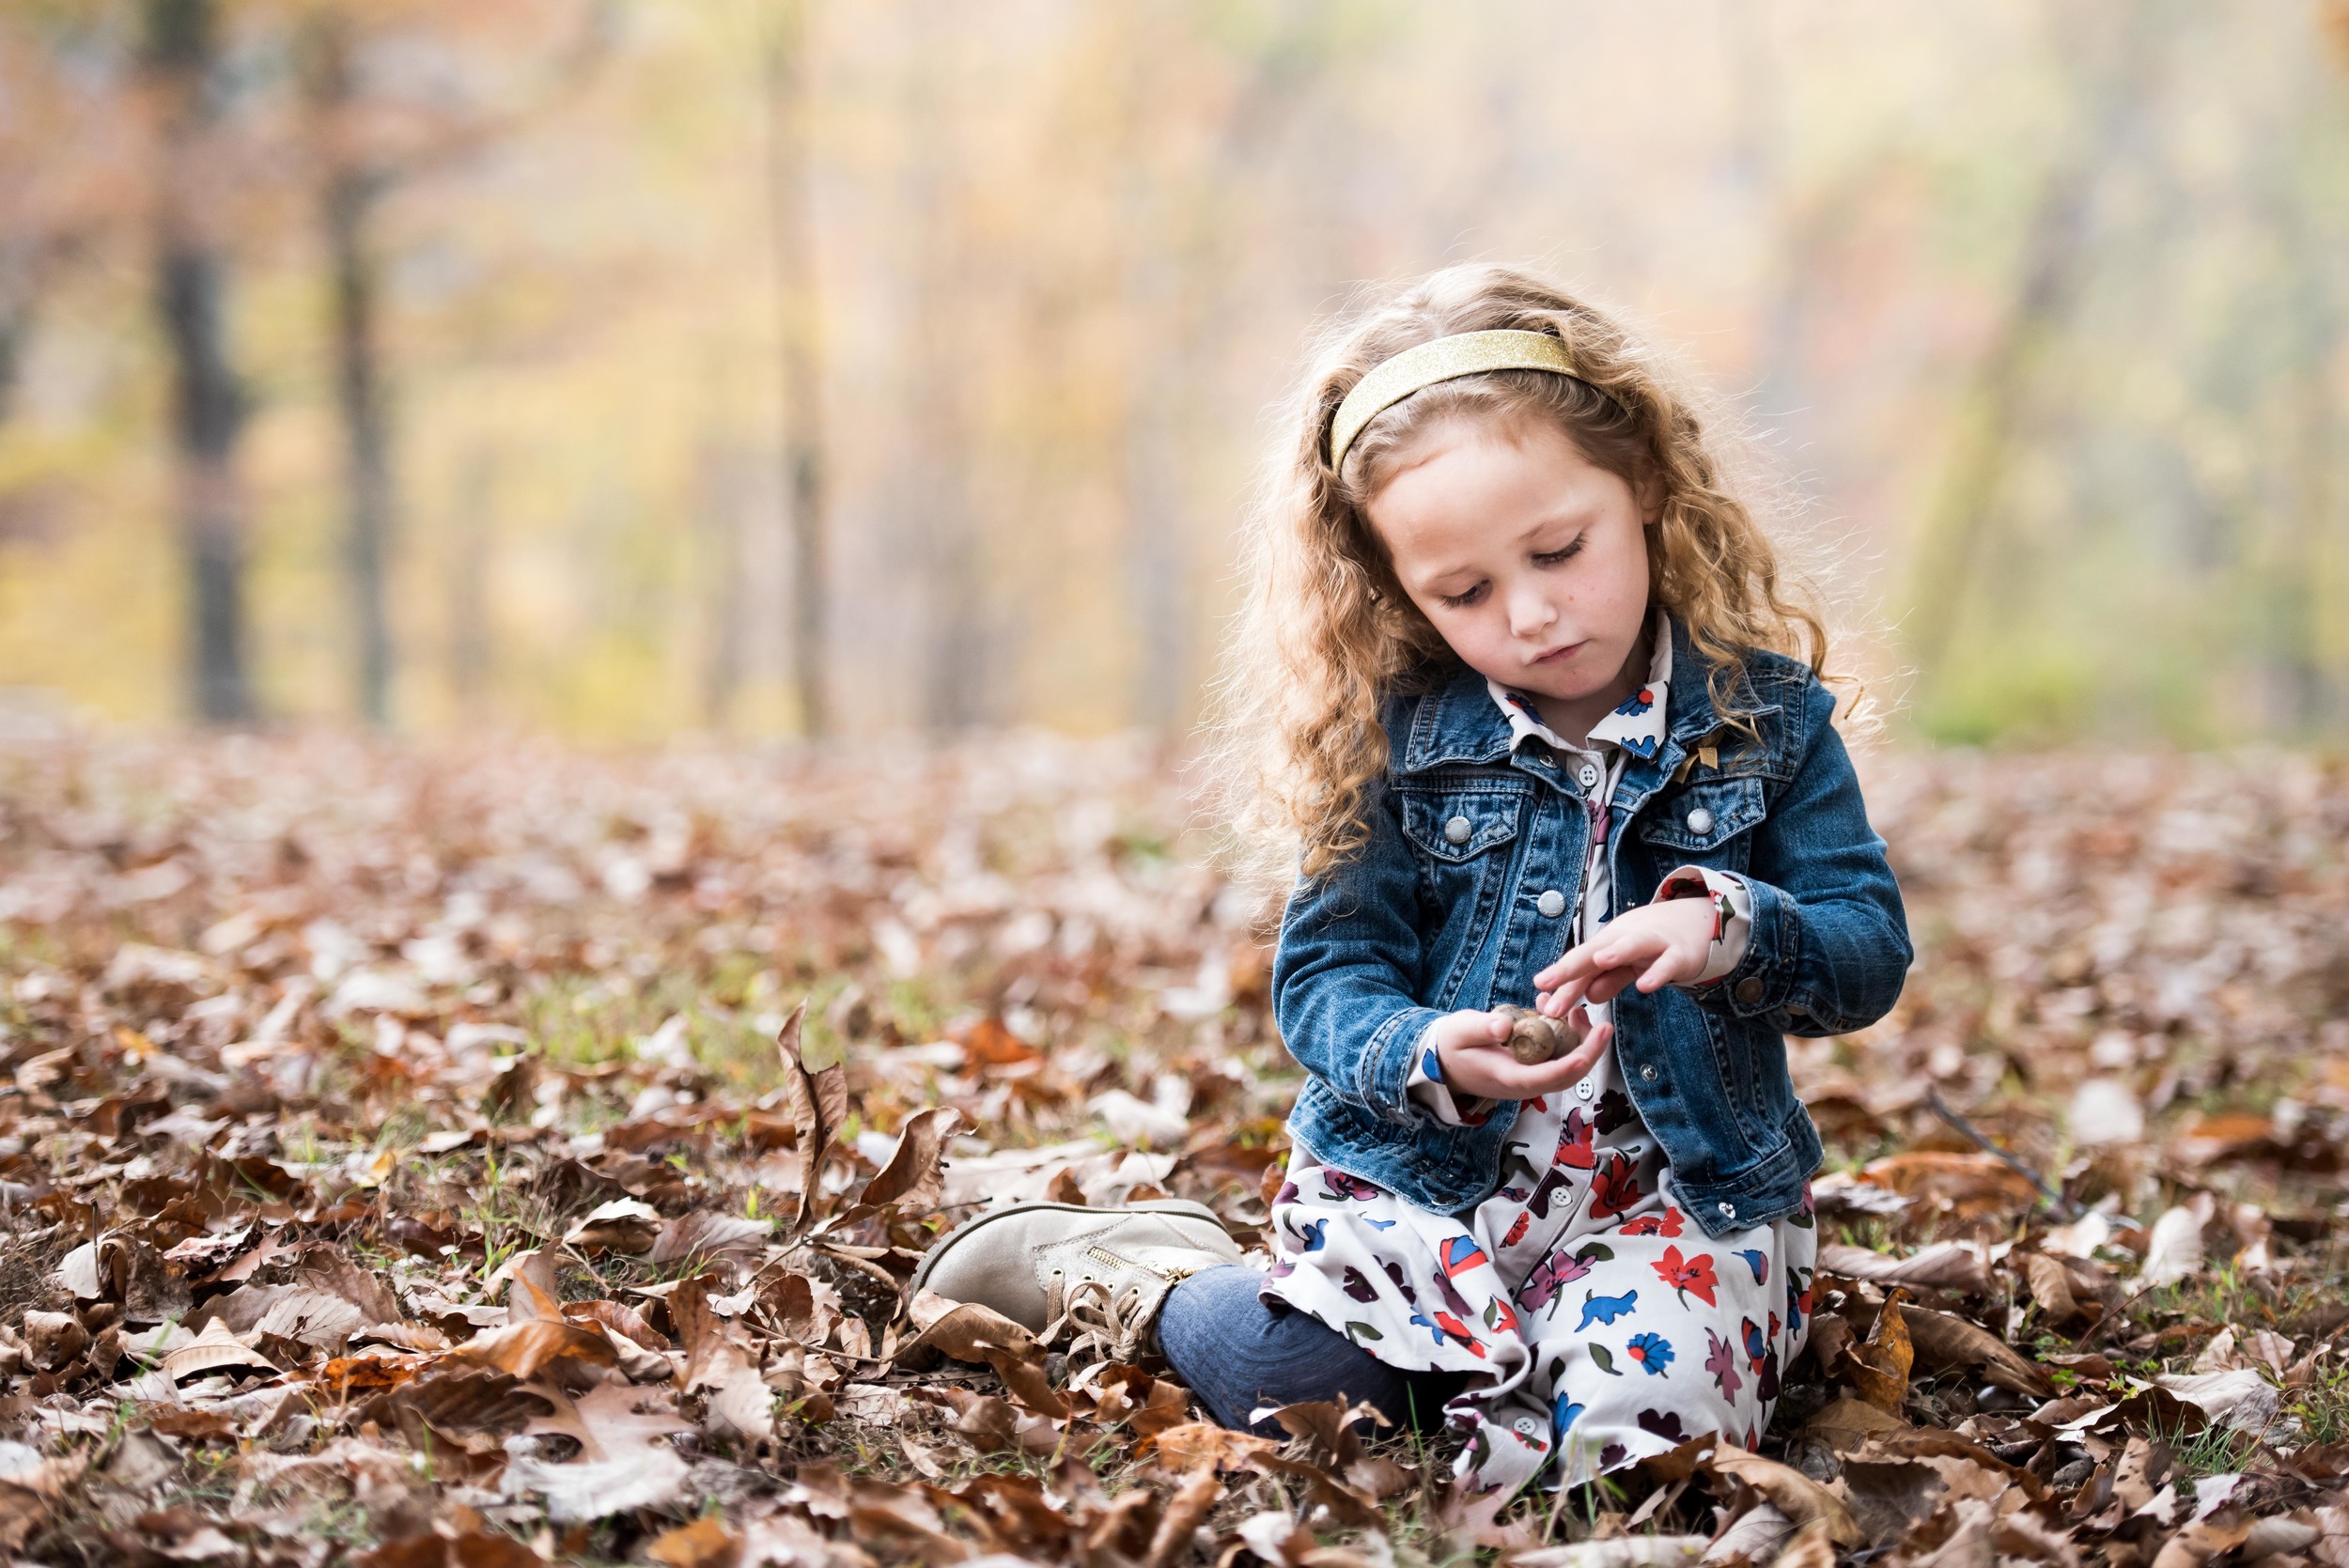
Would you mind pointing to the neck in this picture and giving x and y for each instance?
(1574, 718)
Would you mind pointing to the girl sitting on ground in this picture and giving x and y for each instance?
(1525, 695)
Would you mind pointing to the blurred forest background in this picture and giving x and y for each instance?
(622, 367)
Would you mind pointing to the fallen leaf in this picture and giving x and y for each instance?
(1802, 1499)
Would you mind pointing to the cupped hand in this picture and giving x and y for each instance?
(1473, 1050)
(1650, 947)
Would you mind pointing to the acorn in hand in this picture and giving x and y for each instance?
(1534, 1037)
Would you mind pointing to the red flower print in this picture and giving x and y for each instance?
(1689, 1276)
(1613, 1190)
(1665, 1224)
(1574, 1142)
(1516, 1231)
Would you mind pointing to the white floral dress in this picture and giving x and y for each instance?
(1603, 1324)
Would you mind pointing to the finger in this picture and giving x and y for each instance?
(1570, 1069)
(1660, 972)
(1575, 962)
(1608, 986)
(1585, 1056)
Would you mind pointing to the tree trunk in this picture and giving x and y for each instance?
(349, 199)
(790, 86)
(208, 403)
(471, 655)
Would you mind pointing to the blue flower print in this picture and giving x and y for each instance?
(1641, 746)
(1757, 1261)
(1316, 1237)
(1604, 1308)
(1432, 1065)
(1637, 703)
(1562, 1414)
(1652, 1351)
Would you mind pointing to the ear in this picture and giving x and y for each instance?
(1650, 492)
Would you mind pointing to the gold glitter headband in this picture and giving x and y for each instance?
(1440, 359)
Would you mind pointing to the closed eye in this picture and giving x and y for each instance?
(1557, 557)
(1462, 600)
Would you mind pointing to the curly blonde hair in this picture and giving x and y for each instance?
(1327, 631)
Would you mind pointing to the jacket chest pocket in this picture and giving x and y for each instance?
(1455, 826)
(1702, 820)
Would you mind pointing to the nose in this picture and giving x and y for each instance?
(1530, 612)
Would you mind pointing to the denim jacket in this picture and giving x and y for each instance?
(1416, 925)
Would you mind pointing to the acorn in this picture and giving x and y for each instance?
(1534, 1038)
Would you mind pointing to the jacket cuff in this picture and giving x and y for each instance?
(1764, 980)
(1383, 1077)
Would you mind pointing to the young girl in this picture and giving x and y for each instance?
(1525, 693)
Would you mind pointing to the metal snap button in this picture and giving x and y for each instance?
(1647, 1073)
(1749, 990)
(1699, 821)
(1551, 903)
(1457, 830)
(1729, 1211)
(1588, 775)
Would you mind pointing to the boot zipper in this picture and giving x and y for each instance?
(1103, 1255)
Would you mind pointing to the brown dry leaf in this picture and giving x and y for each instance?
(1879, 1366)
(1194, 1444)
(817, 1093)
(213, 1350)
(1944, 1265)
(911, 1180)
(30, 1487)
(620, 1319)
(991, 1423)
(1974, 1186)
(524, 1349)
(1845, 1423)
(704, 1543)
(1186, 1511)
(53, 1340)
(722, 1366)
(1794, 1494)
(2051, 1287)
(469, 1549)
(970, 1332)
(610, 1421)
(1947, 1344)
(622, 1225)
(703, 1235)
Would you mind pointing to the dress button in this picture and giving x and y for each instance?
(1457, 830)
(1647, 1073)
(1699, 821)
(1729, 1211)
(1749, 990)
(1551, 903)
(1588, 775)
(1582, 1088)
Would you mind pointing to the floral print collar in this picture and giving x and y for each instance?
(1637, 724)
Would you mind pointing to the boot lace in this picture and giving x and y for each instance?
(1103, 1323)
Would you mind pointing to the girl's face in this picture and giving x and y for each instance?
(1529, 560)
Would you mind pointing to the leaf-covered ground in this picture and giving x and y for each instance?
(483, 1157)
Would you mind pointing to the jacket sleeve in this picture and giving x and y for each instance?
(1342, 976)
(1828, 948)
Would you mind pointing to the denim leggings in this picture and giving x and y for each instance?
(1237, 1352)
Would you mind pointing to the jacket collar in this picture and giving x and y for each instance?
(1459, 722)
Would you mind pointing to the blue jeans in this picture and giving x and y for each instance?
(1237, 1351)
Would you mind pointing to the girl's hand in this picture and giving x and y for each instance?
(1651, 946)
(1473, 1048)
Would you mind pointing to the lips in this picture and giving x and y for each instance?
(1559, 654)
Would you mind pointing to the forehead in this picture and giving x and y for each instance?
(1464, 483)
